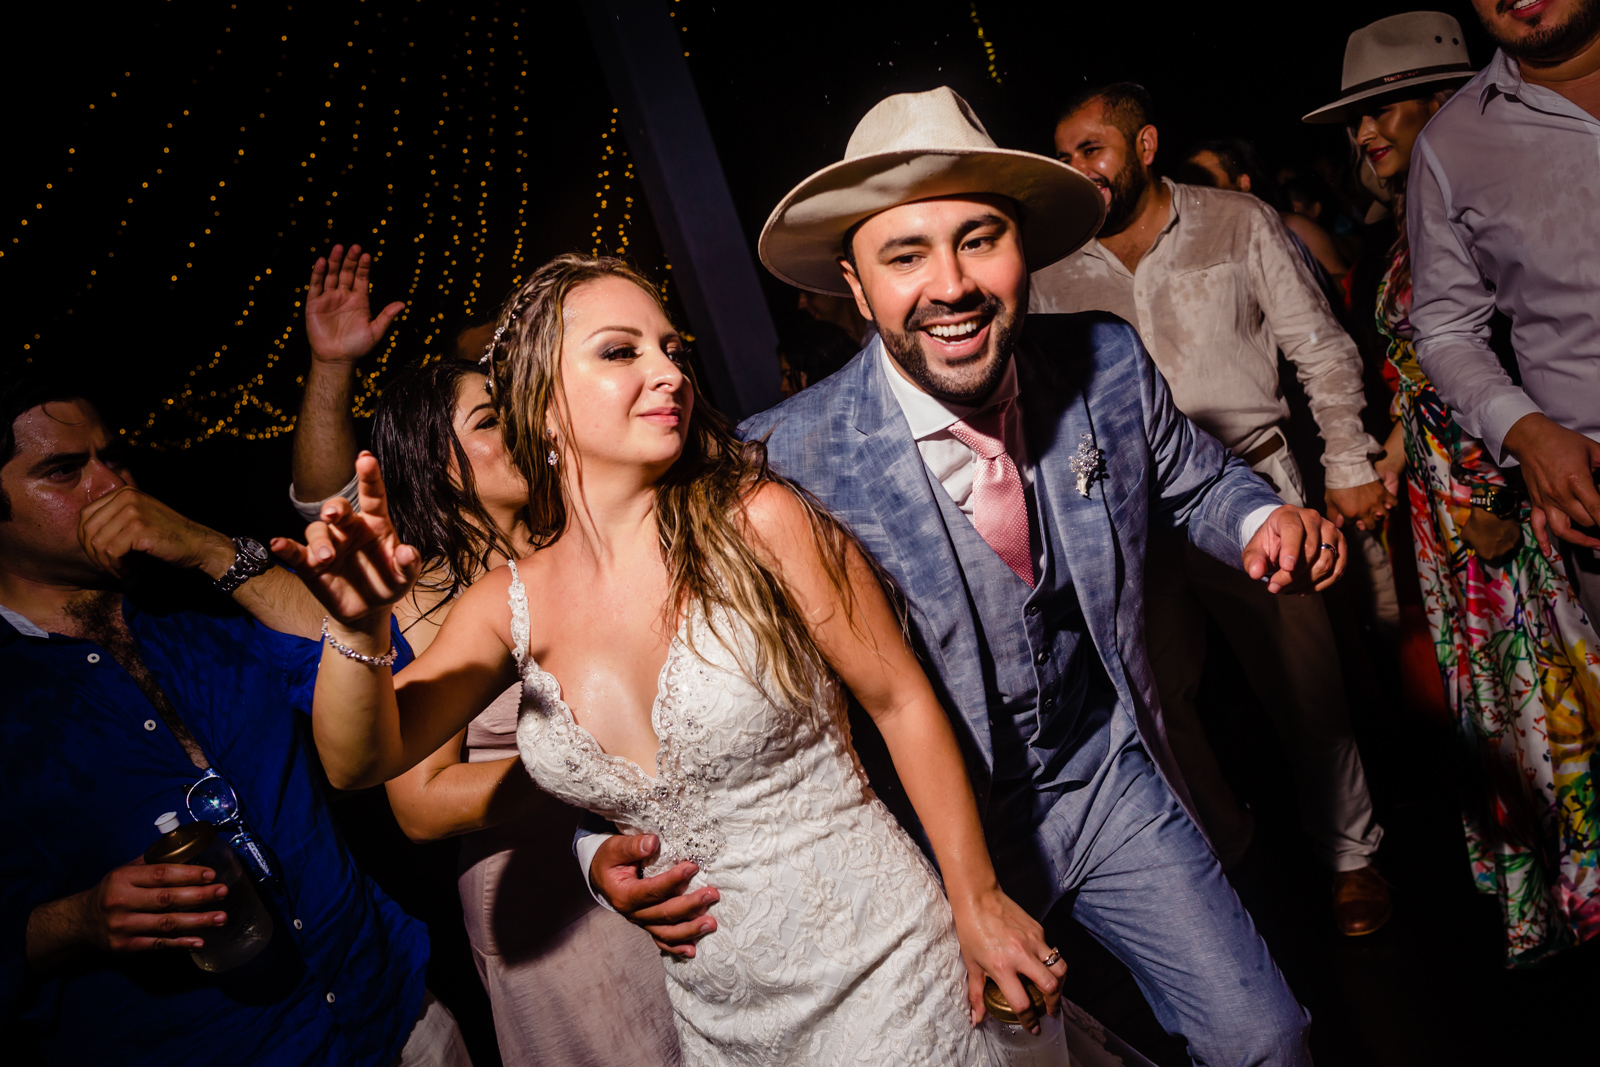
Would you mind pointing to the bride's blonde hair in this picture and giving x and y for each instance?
(700, 501)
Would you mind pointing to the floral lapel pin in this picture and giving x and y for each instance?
(1089, 464)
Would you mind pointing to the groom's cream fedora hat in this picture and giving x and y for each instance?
(915, 146)
(1419, 51)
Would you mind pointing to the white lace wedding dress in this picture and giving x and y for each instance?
(834, 942)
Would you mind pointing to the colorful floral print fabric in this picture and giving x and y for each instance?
(1521, 670)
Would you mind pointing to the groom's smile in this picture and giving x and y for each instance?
(951, 272)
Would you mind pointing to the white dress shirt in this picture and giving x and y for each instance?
(950, 461)
(1503, 207)
(1220, 291)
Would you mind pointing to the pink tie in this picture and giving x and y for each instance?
(998, 510)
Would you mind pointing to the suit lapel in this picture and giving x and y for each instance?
(1083, 541)
(914, 538)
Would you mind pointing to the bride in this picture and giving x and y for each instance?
(695, 621)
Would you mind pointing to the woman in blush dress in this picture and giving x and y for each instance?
(546, 953)
(698, 622)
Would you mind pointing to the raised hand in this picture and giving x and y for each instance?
(1001, 941)
(339, 320)
(353, 561)
(1296, 551)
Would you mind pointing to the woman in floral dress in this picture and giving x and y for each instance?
(1519, 659)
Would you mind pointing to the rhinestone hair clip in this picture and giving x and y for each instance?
(487, 359)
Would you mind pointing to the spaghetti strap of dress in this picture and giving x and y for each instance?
(517, 595)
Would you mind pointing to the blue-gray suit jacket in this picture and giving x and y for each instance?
(846, 441)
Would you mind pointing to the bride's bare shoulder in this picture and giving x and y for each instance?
(773, 510)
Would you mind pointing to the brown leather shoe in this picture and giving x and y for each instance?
(1361, 901)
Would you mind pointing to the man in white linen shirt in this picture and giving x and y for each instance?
(1210, 280)
(1504, 212)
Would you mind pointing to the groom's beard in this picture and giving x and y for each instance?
(967, 386)
(1547, 44)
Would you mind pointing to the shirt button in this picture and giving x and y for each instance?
(1031, 610)
(330, 998)
(1043, 657)
(1049, 702)
(93, 657)
(149, 724)
(298, 925)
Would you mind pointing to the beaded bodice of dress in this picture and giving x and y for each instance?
(834, 944)
(717, 734)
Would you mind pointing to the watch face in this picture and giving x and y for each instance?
(253, 551)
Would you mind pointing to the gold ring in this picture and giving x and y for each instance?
(1052, 959)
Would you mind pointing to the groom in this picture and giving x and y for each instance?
(1005, 474)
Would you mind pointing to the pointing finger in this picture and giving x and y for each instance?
(369, 487)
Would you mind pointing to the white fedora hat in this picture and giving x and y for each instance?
(914, 146)
(1419, 52)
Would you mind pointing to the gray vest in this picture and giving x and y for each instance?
(1033, 642)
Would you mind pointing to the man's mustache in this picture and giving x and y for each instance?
(989, 306)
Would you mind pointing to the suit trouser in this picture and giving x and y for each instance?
(1145, 884)
(1286, 646)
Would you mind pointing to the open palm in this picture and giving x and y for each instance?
(353, 561)
(339, 319)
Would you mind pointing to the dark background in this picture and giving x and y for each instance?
(180, 164)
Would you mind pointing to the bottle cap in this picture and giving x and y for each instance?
(183, 845)
(168, 822)
(1000, 1008)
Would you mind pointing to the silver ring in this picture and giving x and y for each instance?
(1330, 548)
(1052, 959)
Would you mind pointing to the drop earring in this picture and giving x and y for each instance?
(552, 458)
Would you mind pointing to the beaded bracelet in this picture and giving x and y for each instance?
(385, 660)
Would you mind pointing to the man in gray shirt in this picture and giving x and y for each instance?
(1214, 287)
(1504, 212)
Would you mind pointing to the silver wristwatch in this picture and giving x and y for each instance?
(250, 559)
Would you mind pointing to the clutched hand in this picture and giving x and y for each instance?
(1296, 551)
(1001, 941)
(1558, 468)
(128, 522)
(353, 561)
(660, 905)
(1367, 504)
(141, 906)
(1493, 538)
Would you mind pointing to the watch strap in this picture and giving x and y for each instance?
(245, 566)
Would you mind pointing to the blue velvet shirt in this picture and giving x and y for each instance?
(86, 767)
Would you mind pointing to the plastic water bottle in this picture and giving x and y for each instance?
(249, 925)
(1047, 1048)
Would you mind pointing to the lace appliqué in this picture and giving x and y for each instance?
(673, 802)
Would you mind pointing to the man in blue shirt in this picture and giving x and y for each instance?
(116, 701)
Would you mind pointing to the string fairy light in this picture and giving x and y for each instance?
(988, 45)
(361, 144)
